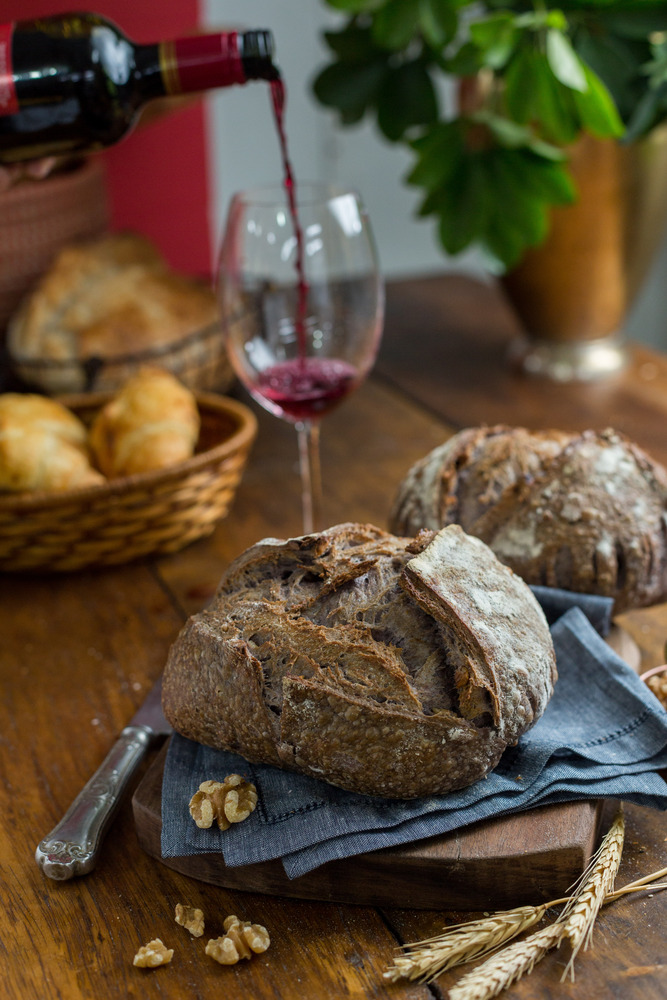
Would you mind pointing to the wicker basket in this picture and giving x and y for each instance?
(37, 218)
(136, 516)
(198, 360)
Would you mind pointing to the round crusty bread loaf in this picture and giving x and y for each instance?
(585, 512)
(388, 666)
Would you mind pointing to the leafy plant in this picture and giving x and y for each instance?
(544, 75)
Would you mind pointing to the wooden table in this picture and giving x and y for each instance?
(80, 651)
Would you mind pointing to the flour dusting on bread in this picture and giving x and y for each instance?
(583, 512)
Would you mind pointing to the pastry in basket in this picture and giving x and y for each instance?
(101, 301)
(388, 666)
(42, 446)
(153, 422)
(586, 512)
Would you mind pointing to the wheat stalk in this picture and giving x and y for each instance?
(503, 969)
(461, 943)
(427, 959)
(580, 913)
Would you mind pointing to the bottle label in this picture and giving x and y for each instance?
(9, 104)
(201, 63)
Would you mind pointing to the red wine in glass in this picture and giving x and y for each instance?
(306, 388)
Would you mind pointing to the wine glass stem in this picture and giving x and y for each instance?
(308, 433)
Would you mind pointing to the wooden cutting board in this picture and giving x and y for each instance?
(528, 858)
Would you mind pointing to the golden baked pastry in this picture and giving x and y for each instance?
(42, 446)
(151, 423)
(104, 299)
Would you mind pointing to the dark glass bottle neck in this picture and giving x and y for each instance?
(257, 49)
(204, 62)
(148, 71)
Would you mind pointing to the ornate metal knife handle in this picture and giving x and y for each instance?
(73, 845)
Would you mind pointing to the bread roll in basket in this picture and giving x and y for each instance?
(388, 666)
(106, 307)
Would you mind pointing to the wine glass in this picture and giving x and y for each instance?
(302, 304)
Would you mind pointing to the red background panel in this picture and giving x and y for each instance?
(158, 175)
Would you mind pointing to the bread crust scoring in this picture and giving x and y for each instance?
(389, 666)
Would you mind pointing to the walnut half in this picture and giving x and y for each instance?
(153, 954)
(240, 941)
(226, 802)
(190, 918)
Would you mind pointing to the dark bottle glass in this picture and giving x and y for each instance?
(74, 83)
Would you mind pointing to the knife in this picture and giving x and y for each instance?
(72, 848)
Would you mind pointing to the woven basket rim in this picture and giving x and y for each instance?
(109, 360)
(241, 437)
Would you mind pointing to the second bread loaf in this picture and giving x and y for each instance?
(585, 512)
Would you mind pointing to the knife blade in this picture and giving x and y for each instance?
(72, 847)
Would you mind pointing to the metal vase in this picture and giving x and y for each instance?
(574, 292)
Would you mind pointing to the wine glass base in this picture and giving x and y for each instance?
(570, 361)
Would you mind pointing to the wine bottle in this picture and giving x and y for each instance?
(74, 83)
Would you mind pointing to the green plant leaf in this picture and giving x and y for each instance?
(465, 62)
(395, 24)
(406, 98)
(355, 6)
(351, 43)
(463, 207)
(616, 61)
(519, 85)
(509, 134)
(565, 64)
(534, 95)
(438, 153)
(496, 38)
(637, 21)
(504, 243)
(350, 87)
(438, 22)
(597, 111)
(525, 211)
(656, 69)
(552, 182)
(651, 109)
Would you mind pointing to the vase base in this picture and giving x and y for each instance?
(570, 361)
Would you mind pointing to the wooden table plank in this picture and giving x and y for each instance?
(627, 958)
(79, 652)
(73, 669)
(446, 343)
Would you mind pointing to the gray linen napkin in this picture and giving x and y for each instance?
(603, 735)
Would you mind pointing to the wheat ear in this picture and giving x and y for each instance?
(579, 915)
(501, 970)
(461, 943)
(427, 959)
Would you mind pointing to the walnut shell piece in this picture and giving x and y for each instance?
(226, 802)
(153, 954)
(191, 918)
(241, 940)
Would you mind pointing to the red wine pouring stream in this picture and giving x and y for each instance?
(306, 387)
(278, 95)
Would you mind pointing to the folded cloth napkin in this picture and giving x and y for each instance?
(603, 735)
